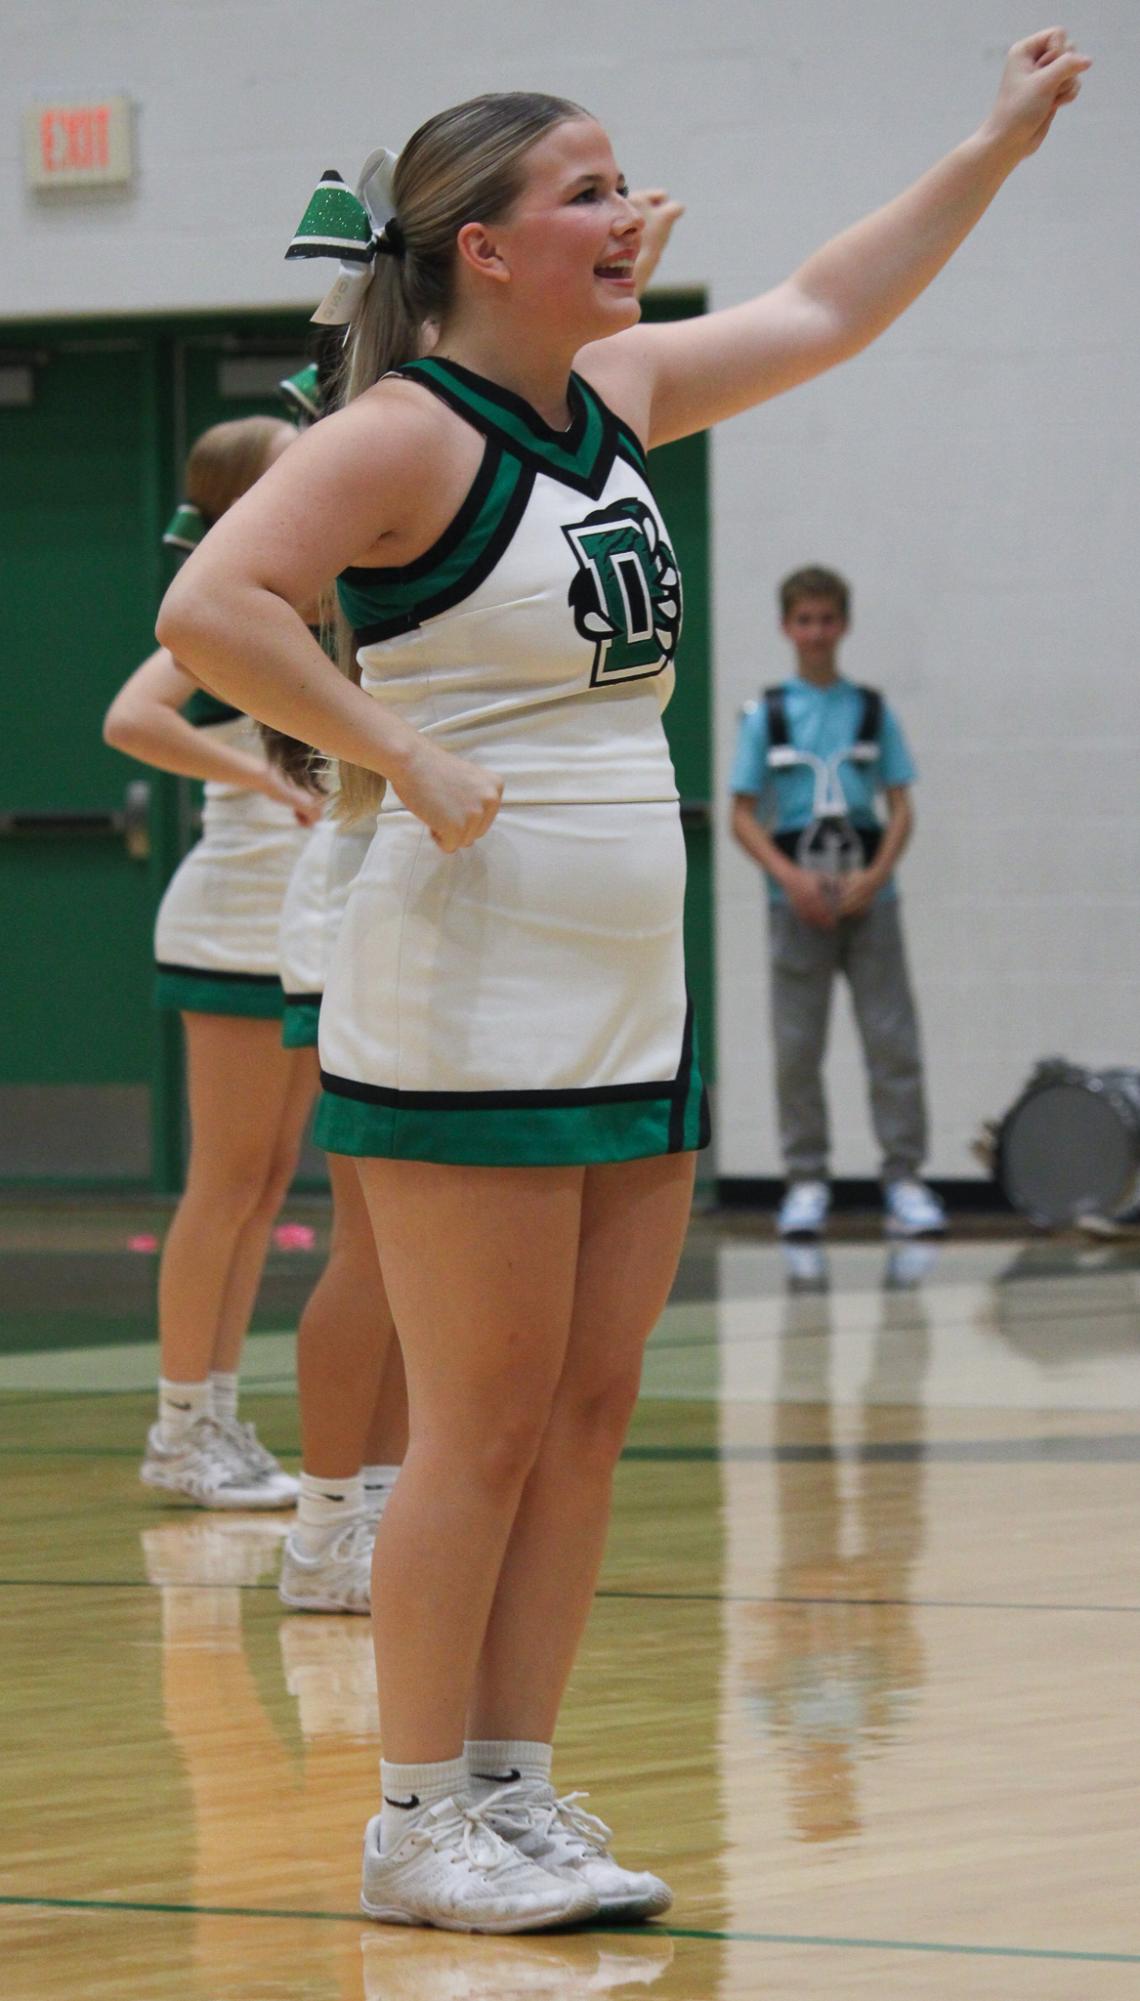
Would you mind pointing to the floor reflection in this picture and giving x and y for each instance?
(438, 1966)
(270, 1830)
(836, 1664)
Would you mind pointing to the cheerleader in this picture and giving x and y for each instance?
(216, 945)
(505, 1040)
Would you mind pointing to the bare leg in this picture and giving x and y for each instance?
(252, 1247)
(238, 1076)
(387, 1440)
(634, 1217)
(480, 1268)
(344, 1340)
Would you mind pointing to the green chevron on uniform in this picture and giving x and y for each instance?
(335, 223)
(509, 415)
(391, 595)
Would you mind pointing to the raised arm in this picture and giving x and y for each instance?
(145, 721)
(843, 297)
(354, 489)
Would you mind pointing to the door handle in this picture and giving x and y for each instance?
(132, 821)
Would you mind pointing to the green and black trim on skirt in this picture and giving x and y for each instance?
(301, 1021)
(196, 990)
(607, 1122)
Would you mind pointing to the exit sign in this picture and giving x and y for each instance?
(79, 145)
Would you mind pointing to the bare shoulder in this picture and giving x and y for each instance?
(621, 370)
(393, 468)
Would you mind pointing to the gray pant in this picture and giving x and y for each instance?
(868, 950)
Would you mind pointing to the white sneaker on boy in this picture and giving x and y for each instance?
(334, 1577)
(804, 1209)
(911, 1209)
(452, 1870)
(557, 1833)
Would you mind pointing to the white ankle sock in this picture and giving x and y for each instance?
(495, 1762)
(323, 1505)
(223, 1393)
(378, 1484)
(408, 1790)
(180, 1405)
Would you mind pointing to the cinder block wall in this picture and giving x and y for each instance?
(974, 474)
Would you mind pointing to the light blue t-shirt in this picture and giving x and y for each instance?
(823, 721)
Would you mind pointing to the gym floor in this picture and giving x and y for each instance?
(861, 1678)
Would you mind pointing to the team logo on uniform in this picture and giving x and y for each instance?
(626, 592)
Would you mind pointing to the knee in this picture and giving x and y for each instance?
(591, 1417)
(277, 1180)
(500, 1448)
(233, 1185)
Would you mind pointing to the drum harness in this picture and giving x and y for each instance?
(831, 842)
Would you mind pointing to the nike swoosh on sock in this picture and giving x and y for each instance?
(406, 1804)
(499, 1778)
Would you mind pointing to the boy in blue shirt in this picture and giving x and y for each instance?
(812, 756)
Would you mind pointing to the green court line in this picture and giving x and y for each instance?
(1117, 1448)
(650, 1597)
(651, 1931)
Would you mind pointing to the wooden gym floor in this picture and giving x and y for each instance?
(861, 1679)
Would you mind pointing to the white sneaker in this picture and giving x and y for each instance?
(911, 1209)
(204, 1467)
(453, 1871)
(253, 1455)
(337, 1577)
(574, 1845)
(804, 1209)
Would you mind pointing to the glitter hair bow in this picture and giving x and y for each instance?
(354, 228)
(302, 394)
(186, 527)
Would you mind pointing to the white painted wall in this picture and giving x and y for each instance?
(974, 474)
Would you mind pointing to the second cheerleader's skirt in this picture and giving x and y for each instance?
(520, 1003)
(311, 916)
(216, 935)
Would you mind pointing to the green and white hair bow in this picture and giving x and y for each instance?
(353, 228)
(186, 527)
(302, 393)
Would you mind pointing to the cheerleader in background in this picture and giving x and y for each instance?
(216, 944)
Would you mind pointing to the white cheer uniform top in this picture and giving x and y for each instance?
(537, 636)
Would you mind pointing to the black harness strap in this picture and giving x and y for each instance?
(779, 735)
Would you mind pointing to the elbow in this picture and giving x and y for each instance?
(182, 619)
(117, 731)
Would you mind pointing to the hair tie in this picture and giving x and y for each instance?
(186, 527)
(392, 241)
(351, 228)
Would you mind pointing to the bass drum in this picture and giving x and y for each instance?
(1070, 1146)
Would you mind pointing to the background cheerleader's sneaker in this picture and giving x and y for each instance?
(250, 1451)
(453, 1871)
(206, 1467)
(334, 1577)
(575, 1845)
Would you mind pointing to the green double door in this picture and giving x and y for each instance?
(94, 426)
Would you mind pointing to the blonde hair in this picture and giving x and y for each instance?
(226, 460)
(463, 165)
